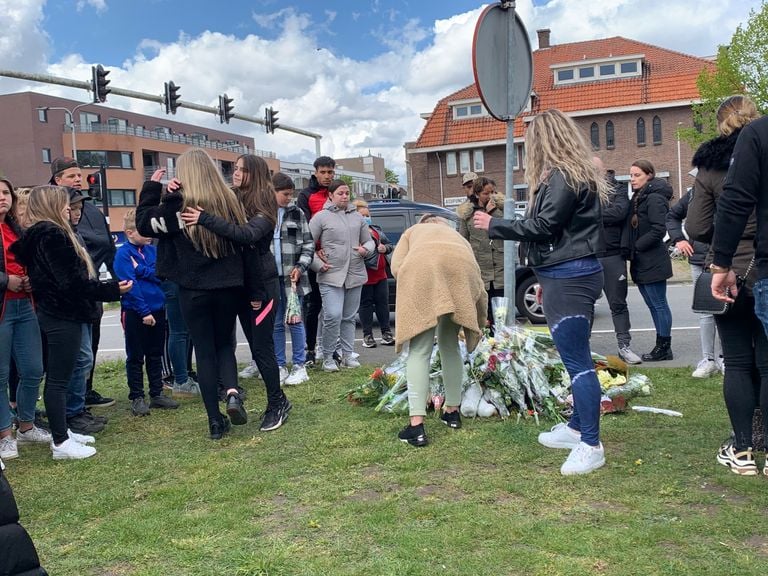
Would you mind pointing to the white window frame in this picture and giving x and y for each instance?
(464, 162)
(617, 62)
(463, 110)
(46, 155)
(451, 168)
(478, 160)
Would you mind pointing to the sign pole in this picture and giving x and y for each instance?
(510, 247)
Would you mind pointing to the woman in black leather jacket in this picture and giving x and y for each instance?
(562, 234)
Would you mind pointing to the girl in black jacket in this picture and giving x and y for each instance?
(649, 262)
(562, 234)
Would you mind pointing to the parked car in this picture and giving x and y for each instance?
(395, 216)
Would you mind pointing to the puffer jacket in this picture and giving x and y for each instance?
(564, 224)
(338, 232)
(489, 254)
(649, 260)
(712, 160)
(18, 556)
(615, 221)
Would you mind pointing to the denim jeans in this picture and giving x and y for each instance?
(298, 336)
(178, 336)
(760, 291)
(20, 340)
(655, 296)
(340, 307)
(77, 384)
(707, 329)
(569, 307)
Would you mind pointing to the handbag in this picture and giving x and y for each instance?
(704, 302)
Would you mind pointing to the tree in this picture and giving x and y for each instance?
(391, 177)
(739, 68)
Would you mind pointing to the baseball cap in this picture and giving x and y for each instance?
(61, 164)
(467, 178)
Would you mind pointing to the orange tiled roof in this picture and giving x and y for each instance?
(668, 76)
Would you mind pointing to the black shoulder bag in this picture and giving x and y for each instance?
(704, 302)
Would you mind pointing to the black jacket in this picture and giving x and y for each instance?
(615, 221)
(745, 189)
(675, 217)
(648, 256)
(564, 224)
(94, 231)
(18, 556)
(60, 283)
(177, 258)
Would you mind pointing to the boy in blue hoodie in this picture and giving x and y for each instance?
(143, 318)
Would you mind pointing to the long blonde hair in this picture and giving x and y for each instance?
(734, 113)
(204, 186)
(46, 204)
(553, 141)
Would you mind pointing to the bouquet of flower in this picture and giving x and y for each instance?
(369, 392)
(293, 307)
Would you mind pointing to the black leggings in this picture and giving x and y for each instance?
(210, 317)
(745, 353)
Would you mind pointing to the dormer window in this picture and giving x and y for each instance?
(610, 68)
(463, 110)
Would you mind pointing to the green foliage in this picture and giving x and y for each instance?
(347, 179)
(391, 177)
(739, 69)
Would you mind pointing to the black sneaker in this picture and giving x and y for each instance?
(414, 435)
(236, 410)
(218, 428)
(369, 341)
(276, 417)
(163, 402)
(81, 424)
(451, 419)
(95, 400)
(91, 416)
(139, 406)
(387, 339)
(310, 358)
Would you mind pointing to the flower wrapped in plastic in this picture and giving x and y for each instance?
(293, 306)
(635, 386)
(369, 392)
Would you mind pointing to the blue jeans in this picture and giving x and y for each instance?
(20, 339)
(569, 307)
(655, 296)
(77, 383)
(298, 336)
(178, 335)
(760, 291)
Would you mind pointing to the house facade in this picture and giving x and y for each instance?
(629, 98)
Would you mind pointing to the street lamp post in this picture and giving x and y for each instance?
(679, 164)
(72, 121)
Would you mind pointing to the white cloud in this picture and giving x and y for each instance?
(98, 5)
(356, 105)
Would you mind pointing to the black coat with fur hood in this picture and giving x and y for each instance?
(649, 260)
(59, 278)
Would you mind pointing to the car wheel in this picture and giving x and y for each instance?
(525, 300)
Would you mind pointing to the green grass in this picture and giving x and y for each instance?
(333, 492)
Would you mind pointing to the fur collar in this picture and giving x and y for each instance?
(716, 154)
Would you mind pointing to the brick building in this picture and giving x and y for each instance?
(630, 98)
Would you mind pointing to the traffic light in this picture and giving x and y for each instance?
(99, 84)
(225, 109)
(172, 97)
(97, 184)
(270, 120)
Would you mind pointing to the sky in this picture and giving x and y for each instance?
(358, 72)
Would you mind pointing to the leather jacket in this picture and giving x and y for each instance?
(563, 224)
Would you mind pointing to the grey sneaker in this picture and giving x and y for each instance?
(163, 402)
(626, 354)
(188, 388)
(139, 407)
(8, 448)
(33, 435)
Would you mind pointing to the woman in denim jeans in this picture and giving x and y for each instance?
(562, 233)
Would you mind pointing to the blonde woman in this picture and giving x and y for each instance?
(65, 287)
(562, 233)
(208, 269)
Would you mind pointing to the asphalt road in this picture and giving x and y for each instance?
(685, 332)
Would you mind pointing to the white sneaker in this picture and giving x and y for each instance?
(720, 364)
(297, 376)
(330, 365)
(71, 450)
(560, 436)
(250, 371)
(8, 448)
(705, 369)
(81, 438)
(583, 459)
(283, 374)
(626, 354)
(350, 362)
(33, 435)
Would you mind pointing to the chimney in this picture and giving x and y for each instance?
(543, 36)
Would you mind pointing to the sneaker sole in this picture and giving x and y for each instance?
(592, 468)
(451, 425)
(737, 469)
(418, 442)
(101, 405)
(237, 415)
(369, 345)
(559, 445)
(140, 414)
(9, 456)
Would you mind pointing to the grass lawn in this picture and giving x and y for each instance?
(333, 492)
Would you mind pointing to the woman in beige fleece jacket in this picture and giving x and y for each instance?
(439, 291)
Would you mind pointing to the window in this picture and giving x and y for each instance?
(122, 197)
(450, 163)
(564, 75)
(126, 160)
(607, 69)
(461, 111)
(110, 159)
(588, 72)
(656, 129)
(640, 132)
(610, 142)
(86, 119)
(594, 135)
(479, 158)
(628, 68)
(475, 110)
(42, 115)
(464, 161)
(117, 125)
(46, 155)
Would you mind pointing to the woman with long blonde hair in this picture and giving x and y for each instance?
(207, 267)
(562, 235)
(65, 287)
